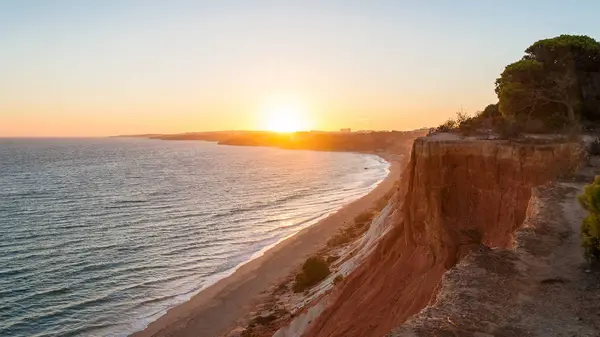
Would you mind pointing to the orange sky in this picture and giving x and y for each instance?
(128, 67)
(174, 117)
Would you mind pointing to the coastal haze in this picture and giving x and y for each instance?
(100, 236)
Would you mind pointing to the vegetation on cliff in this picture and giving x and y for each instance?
(352, 232)
(590, 228)
(550, 82)
(554, 87)
(314, 270)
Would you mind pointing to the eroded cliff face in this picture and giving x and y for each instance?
(455, 196)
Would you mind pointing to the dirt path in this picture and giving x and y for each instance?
(567, 303)
(542, 287)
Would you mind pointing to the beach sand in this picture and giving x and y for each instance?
(213, 311)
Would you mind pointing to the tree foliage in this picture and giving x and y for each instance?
(491, 111)
(576, 52)
(590, 228)
(548, 81)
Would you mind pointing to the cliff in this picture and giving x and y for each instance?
(456, 196)
(539, 287)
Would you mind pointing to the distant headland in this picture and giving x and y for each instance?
(362, 141)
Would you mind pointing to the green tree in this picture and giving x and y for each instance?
(575, 52)
(491, 111)
(527, 85)
(549, 79)
(590, 227)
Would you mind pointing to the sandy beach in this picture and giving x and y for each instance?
(213, 311)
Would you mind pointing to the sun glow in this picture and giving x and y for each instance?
(286, 119)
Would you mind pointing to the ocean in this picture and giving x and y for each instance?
(99, 237)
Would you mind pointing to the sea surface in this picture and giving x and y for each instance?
(98, 237)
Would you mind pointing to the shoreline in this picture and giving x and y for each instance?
(220, 306)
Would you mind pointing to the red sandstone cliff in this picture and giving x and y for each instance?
(455, 195)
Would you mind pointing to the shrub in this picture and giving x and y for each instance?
(507, 128)
(590, 228)
(461, 118)
(338, 279)
(348, 234)
(557, 122)
(490, 112)
(314, 270)
(341, 238)
(594, 147)
(448, 126)
(469, 126)
(463, 123)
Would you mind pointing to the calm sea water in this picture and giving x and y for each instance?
(98, 237)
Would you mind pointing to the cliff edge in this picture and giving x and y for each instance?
(456, 197)
(540, 287)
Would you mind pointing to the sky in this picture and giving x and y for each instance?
(100, 68)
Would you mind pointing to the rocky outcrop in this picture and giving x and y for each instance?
(455, 196)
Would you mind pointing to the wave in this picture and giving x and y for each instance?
(297, 224)
(124, 204)
(297, 195)
(111, 249)
(56, 291)
(154, 300)
(89, 329)
(56, 312)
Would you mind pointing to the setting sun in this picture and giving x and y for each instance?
(286, 119)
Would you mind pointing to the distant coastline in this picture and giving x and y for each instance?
(364, 142)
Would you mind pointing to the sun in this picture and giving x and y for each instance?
(286, 119)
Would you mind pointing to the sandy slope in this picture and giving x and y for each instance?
(214, 310)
